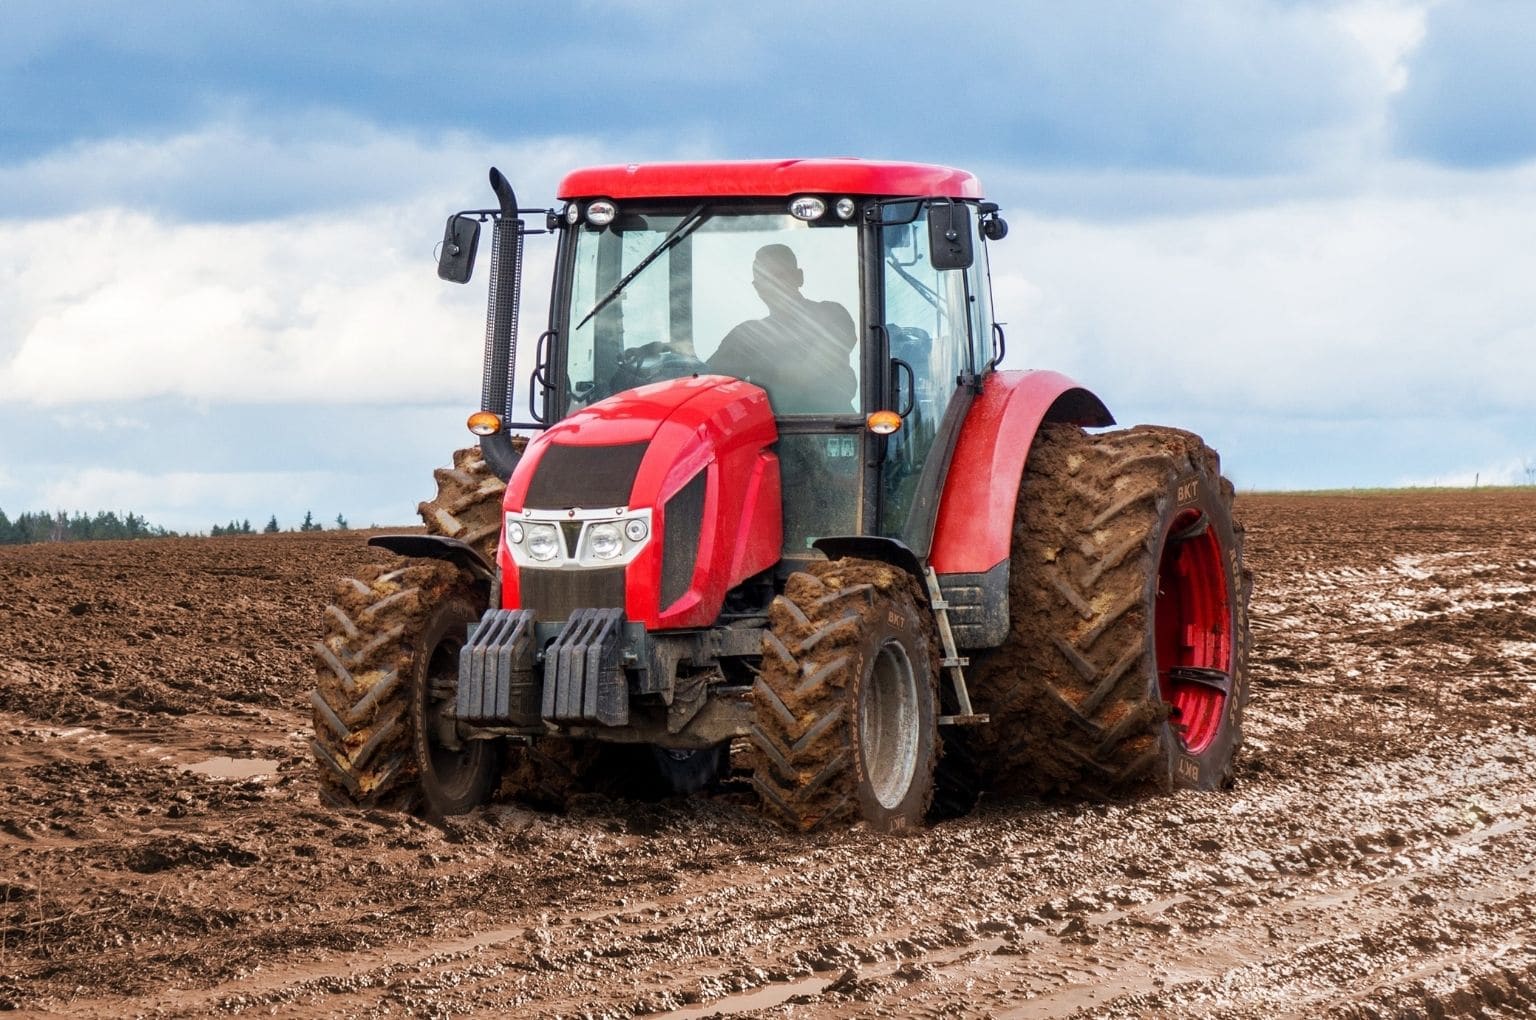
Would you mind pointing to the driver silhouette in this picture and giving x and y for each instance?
(799, 351)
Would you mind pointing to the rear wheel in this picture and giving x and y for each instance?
(1126, 663)
(844, 723)
(387, 677)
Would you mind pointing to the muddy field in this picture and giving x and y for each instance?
(162, 852)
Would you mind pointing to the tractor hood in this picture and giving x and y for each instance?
(690, 461)
(660, 434)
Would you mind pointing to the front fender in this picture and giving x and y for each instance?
(439, 547)
(975, 522)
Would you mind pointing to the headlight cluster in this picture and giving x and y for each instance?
(600, 537)
(543, 541)
(604, 541)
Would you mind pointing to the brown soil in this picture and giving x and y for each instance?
(162, 852)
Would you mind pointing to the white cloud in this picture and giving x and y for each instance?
(1388, 31)
(242, 169)
(345, 311)
(1412, 299)
(129, 307)
(343, 306)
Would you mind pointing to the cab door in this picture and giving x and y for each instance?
(931, 321)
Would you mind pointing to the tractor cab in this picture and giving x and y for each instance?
(855, 294)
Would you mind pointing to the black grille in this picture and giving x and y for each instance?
(684, 514)
(554, 594)
(585, 476)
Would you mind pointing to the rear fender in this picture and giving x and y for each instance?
(975, 521)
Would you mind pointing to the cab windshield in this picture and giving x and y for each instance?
(744, 291)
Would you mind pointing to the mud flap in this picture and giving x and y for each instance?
(496, 683)
(583, 678)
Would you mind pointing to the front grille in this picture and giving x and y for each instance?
(585, 476)
(684, 515)
(554, 594)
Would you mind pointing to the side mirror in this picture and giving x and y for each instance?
(949, 234)
(456, 260)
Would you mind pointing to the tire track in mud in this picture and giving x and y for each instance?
(1224, 912)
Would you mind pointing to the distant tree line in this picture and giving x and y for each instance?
(77, 527)
(106, 525)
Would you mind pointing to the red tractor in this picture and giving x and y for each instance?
(780, 495)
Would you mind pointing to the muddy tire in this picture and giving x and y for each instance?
(468, 503)
(387, 667)
(1125, 668)
(844, 723)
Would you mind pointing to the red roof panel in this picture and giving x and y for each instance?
(763, 177)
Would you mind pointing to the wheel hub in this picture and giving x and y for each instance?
(1194, 635)
(889, 725)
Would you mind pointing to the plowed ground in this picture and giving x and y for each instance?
(1376, 858)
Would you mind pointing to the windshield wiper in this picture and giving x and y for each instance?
(924, 291)
(685, 226)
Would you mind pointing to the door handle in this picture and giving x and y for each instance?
(897, 365)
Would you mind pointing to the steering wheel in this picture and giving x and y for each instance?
(653, 362)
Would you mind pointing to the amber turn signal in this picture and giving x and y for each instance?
(883, 423)
(484, 423)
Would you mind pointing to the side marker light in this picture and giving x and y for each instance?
(484, 423)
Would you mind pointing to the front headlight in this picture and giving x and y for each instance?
(604, 541)
(514, 531)
(543, 541)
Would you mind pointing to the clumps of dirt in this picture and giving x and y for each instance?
(1471, 625)
(107, 633)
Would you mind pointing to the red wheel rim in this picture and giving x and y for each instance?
(1194, 629)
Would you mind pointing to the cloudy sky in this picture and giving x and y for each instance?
(1304, 229)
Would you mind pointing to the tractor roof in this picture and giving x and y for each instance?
(765, 177)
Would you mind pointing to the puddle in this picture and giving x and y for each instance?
(762, 998)
(234, 768)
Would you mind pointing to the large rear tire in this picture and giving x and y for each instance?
(387, 673)
(1126, 663)
(844, 723)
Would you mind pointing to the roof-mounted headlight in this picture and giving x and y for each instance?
(845, 208)
(600, 212)
(808, 207)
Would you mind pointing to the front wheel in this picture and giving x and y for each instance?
(387, 678)
(844, 721)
